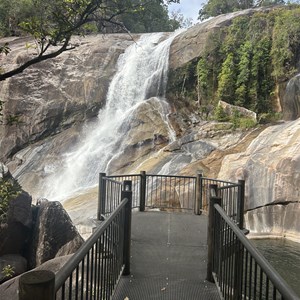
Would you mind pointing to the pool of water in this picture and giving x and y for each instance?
(284, 256)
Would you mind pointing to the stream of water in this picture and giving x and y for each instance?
(141, 74)
(284, 256)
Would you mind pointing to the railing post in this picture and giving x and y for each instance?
(143, 191)
(238, 270)
(241, 203)
(37, 285)
(198, 200)
(101, 197)
(210, 236)
(127, 194)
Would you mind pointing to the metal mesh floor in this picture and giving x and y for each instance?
(168, 258)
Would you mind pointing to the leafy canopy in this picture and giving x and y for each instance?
(217, 7)
(53, 22)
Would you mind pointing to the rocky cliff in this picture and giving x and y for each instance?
(271, 168)
(47, 106)
(58, 93)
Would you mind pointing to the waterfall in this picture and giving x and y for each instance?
(141, 74)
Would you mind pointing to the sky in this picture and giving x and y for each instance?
(189, 8)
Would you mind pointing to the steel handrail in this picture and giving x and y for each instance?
(64, 273)
(272, 274)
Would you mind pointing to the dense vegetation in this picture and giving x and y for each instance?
(135, 15)
(9, 189)
(214, 8)
(53, 22)
(244, 63)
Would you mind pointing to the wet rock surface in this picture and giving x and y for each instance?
(53, 95)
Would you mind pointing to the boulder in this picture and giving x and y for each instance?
(53, 235)
(291, 100)
(192, 43)
(243, 112)
(147, 131)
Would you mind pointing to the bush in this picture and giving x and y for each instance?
(9, 190)
(246, 123)
(220, 114)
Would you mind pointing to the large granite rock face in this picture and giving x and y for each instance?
(270, 166)
(278, 220)
(291, 99)
(54, 234)
(146, 132)
(55, 94)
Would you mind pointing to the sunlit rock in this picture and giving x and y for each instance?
(270, 166)
(291, 100)
(53, 95)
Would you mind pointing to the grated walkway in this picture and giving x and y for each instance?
(168, 258)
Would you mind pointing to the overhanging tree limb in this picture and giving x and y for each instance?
(55, 21)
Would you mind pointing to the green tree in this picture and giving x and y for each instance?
(53, 22)
(285, 48)
(217, 7)
(244, 67)
(227, 79)
(12, 12)
(152, 18)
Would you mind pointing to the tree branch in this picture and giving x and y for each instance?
(37, 59)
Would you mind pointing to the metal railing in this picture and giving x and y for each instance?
(236, 266)
(232, 195)
(170, 192)
(94, 270)
(151, 191)
(136, 181)
(109, 196)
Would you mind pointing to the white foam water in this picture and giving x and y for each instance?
(141, 74)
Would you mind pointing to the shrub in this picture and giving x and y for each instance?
(8, 191)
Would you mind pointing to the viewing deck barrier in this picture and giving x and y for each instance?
(94, 270)
(234, 264)
(152, 191)
(238, 269)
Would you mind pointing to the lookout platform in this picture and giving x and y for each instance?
(168, 258)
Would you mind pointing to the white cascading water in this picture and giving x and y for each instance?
(142, 73)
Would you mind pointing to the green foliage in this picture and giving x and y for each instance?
(236, 119)
(269, 118)
(227, 79)
(207, 70)
(214, 8)
(183, 81)
(8, 271)
(53, 22)
(8, 190)
(220, 115)
(153, 17)
(246, 123)
(12, 120)
(250, 58)
(286, 39)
